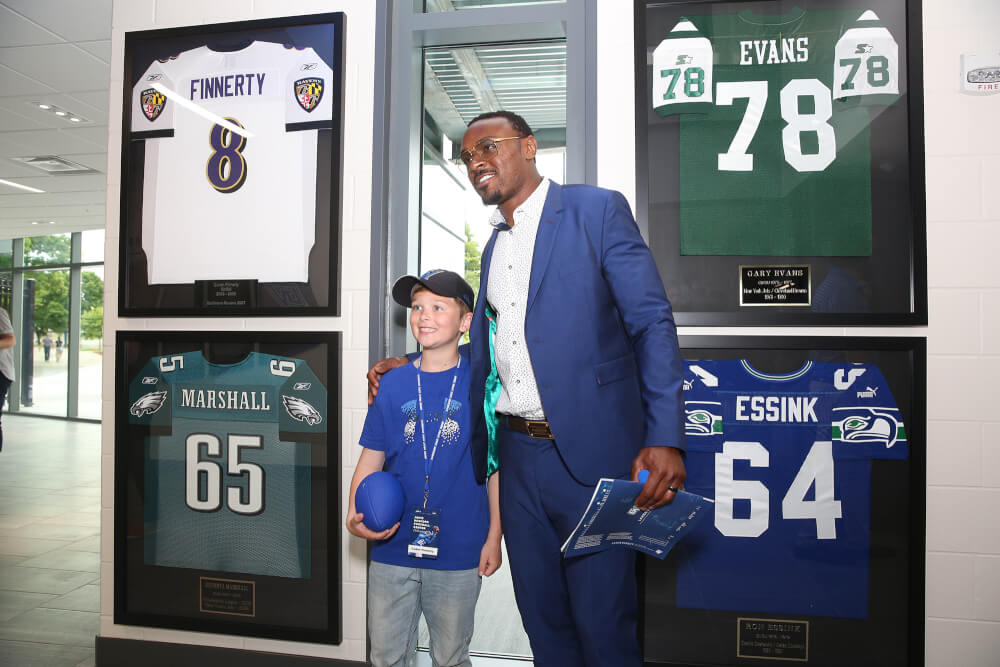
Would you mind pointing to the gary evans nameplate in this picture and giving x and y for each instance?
(778, 285)
(226, 596)
(226, 293)
(772, 639)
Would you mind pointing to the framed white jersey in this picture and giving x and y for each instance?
(230, 178)
(231, 164)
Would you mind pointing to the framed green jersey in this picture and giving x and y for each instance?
(225, 514)
(782, 138)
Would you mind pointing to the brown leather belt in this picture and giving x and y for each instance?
(536, 428)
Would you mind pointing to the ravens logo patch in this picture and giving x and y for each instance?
(308, 92)
(152, 102)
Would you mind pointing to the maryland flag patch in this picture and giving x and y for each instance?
(309, 92)
(152, 102)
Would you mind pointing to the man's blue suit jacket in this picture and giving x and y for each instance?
(600, 333)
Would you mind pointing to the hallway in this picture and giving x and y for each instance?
(50, 485)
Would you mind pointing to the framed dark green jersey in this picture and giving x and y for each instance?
(226, 518)
(780, 159)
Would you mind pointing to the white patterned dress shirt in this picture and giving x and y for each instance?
(507, 293)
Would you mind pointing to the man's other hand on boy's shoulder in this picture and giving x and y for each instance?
(378, 370)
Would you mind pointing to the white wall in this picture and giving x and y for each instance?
(359, 78)
(963, 239)
(963, 216)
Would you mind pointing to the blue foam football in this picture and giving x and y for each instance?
(380, 498)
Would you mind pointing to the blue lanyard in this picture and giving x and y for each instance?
(428, 462)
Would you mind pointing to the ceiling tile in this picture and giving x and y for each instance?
(64, 67)
(14, 83)
(13, 121)
(36, 201)
(15, 30)
(100, 49)
(96, 99)
(74, 21)
(53, 142)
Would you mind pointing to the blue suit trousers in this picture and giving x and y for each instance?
(576, 611)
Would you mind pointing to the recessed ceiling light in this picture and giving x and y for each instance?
(34, 222)
(54, 165)
(55, 110)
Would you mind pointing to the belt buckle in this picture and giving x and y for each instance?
(538, 429)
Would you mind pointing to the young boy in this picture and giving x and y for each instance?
(449, 536)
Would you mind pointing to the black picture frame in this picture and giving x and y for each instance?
(678, 628)
(214, 561)
(263, 272)
(687, 205)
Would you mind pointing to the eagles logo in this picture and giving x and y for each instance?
(308, 92)
(149, 403)
(152, 102)
(300, 410)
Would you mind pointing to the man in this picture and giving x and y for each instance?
(573, 320)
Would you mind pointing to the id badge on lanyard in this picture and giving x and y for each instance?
(425, 529)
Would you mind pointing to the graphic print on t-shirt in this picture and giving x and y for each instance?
(775, 156)
(230, 173)
(222, 490)
(451, 431)
(788, 460)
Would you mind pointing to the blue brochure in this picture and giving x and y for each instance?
(611, 520)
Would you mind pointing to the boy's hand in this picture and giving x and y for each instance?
(490, 558)
(356, 527)
(378, 370)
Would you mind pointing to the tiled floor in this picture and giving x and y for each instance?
(50, 484)
(50, 481)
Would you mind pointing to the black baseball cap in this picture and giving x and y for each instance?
(439, 281)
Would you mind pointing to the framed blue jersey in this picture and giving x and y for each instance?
(226, 516)
(787, 458)
(812, 449)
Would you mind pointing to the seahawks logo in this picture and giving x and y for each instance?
(152, 102)
(700, 420)
(148, 404)
(869, 425)
(308, 92)
(300, 410)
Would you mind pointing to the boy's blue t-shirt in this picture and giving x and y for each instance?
(391, 426)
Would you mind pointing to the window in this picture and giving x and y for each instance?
(54, 292)
(448, 66)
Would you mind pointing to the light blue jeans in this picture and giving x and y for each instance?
(396, 597)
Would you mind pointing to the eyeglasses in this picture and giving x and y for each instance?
(483, 148)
